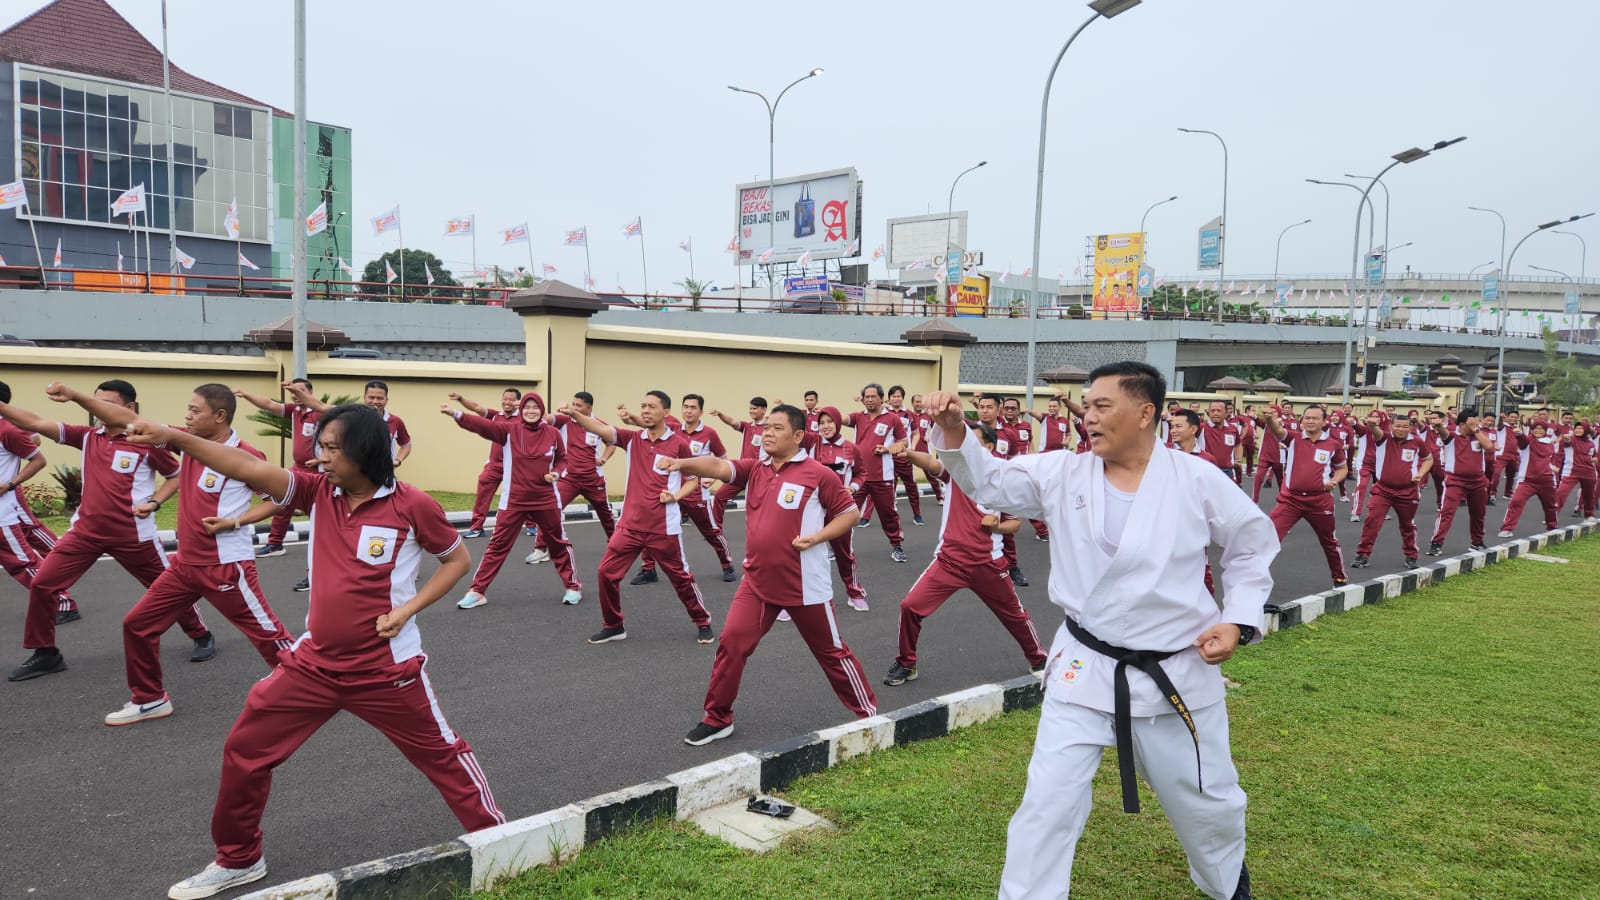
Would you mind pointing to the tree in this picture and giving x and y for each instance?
(415, 275)
(1566, 382)
(1254, 374)
(695, 290)
(276, 426)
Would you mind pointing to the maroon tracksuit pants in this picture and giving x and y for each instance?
(508, 527)
(844, 557)
(1272, 468)
(905, 474)
(42, 540)
(1404, 503)
(21, 559)
(667, 550)
(1316, 508)
(700, 515)
(488, 484)
(72, 556)
(749, 619)
(1475, 494)
(1363, 489)
(1507, 465)
(284, 709)
(881, 493)
(719, 501)
(1540, 486)
(992, 584)
(1586, 492)
(230, 587)
(594, 491)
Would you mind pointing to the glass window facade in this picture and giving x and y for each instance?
(84, 140)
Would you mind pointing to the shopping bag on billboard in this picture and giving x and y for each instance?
(805, 213)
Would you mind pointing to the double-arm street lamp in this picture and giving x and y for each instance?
(1500, 359)
(772, 118)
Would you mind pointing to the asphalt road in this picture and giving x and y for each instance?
(97, 811)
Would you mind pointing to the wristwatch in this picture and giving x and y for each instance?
(1247, 633)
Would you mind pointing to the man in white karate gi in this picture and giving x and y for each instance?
(1135, 664)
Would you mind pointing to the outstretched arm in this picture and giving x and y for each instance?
(261, 476)
(260, 402)
(303, 396)
(468, 404)
(593, 425)
(31, 421)
(924, 461)
(701, 467)
(109, 413)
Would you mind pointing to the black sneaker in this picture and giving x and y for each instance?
(1361, 562)
(1042, 538)
(705, 636)
(899, 675)
(1479, 547)
(471, 533)
(703, 734)
(303, 585)
(645, 576)
(606, 635)
(1492, 503)
(730, 575)
(1038, 667)
(1411, 562)
(67, 615)
(1435, 548)
(898, 554)
(1017, 578)
(917, 520)
(267, 550)
(204, 648)
(1340, 582)
(40, 663)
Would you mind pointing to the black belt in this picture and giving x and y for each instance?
(1148, 662)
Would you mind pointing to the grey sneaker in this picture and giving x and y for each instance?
(214, 879)
(899, 675)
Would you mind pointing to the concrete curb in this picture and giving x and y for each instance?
(476, 861)
(1343, 599)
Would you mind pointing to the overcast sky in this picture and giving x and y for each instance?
(584, 113)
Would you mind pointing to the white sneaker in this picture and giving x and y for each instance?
(1504, 533)
(214, 879)
(536, 557)
(859, 604)
(137, 712)
(472, 600)
(571, 598)
(784, 616)
(1354, 517)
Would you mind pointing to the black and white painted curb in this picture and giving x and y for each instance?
(475, 861)
(1384, 587)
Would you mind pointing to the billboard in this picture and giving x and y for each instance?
(1375, 268)
(923, 237)
(1211, 244)
(1117, 258)
(819, 214)
(972, 296)
(809, 286)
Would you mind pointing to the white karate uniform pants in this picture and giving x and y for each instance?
(1044, 831)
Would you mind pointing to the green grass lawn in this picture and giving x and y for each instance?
(1442, 745)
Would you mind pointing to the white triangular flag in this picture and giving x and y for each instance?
(184, 259)
(119, 256)
(427, 271)
(230, 220)
(57, 263)
(317, 222)
(247, 263)
(388, 273)
(345, 268)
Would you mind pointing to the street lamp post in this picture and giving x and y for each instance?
(1222, 229)
(1564, 277)
(1102, 9)
(1583, 265)
(949, 210)
(1279, 251)
(1147, 212)
(1474, 270)
(1385, 221)
(1372, 235)
(1500, 360)
(1404, 156)
(1504, 271)
(772, 118)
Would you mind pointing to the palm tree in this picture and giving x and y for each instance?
(695, 289)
